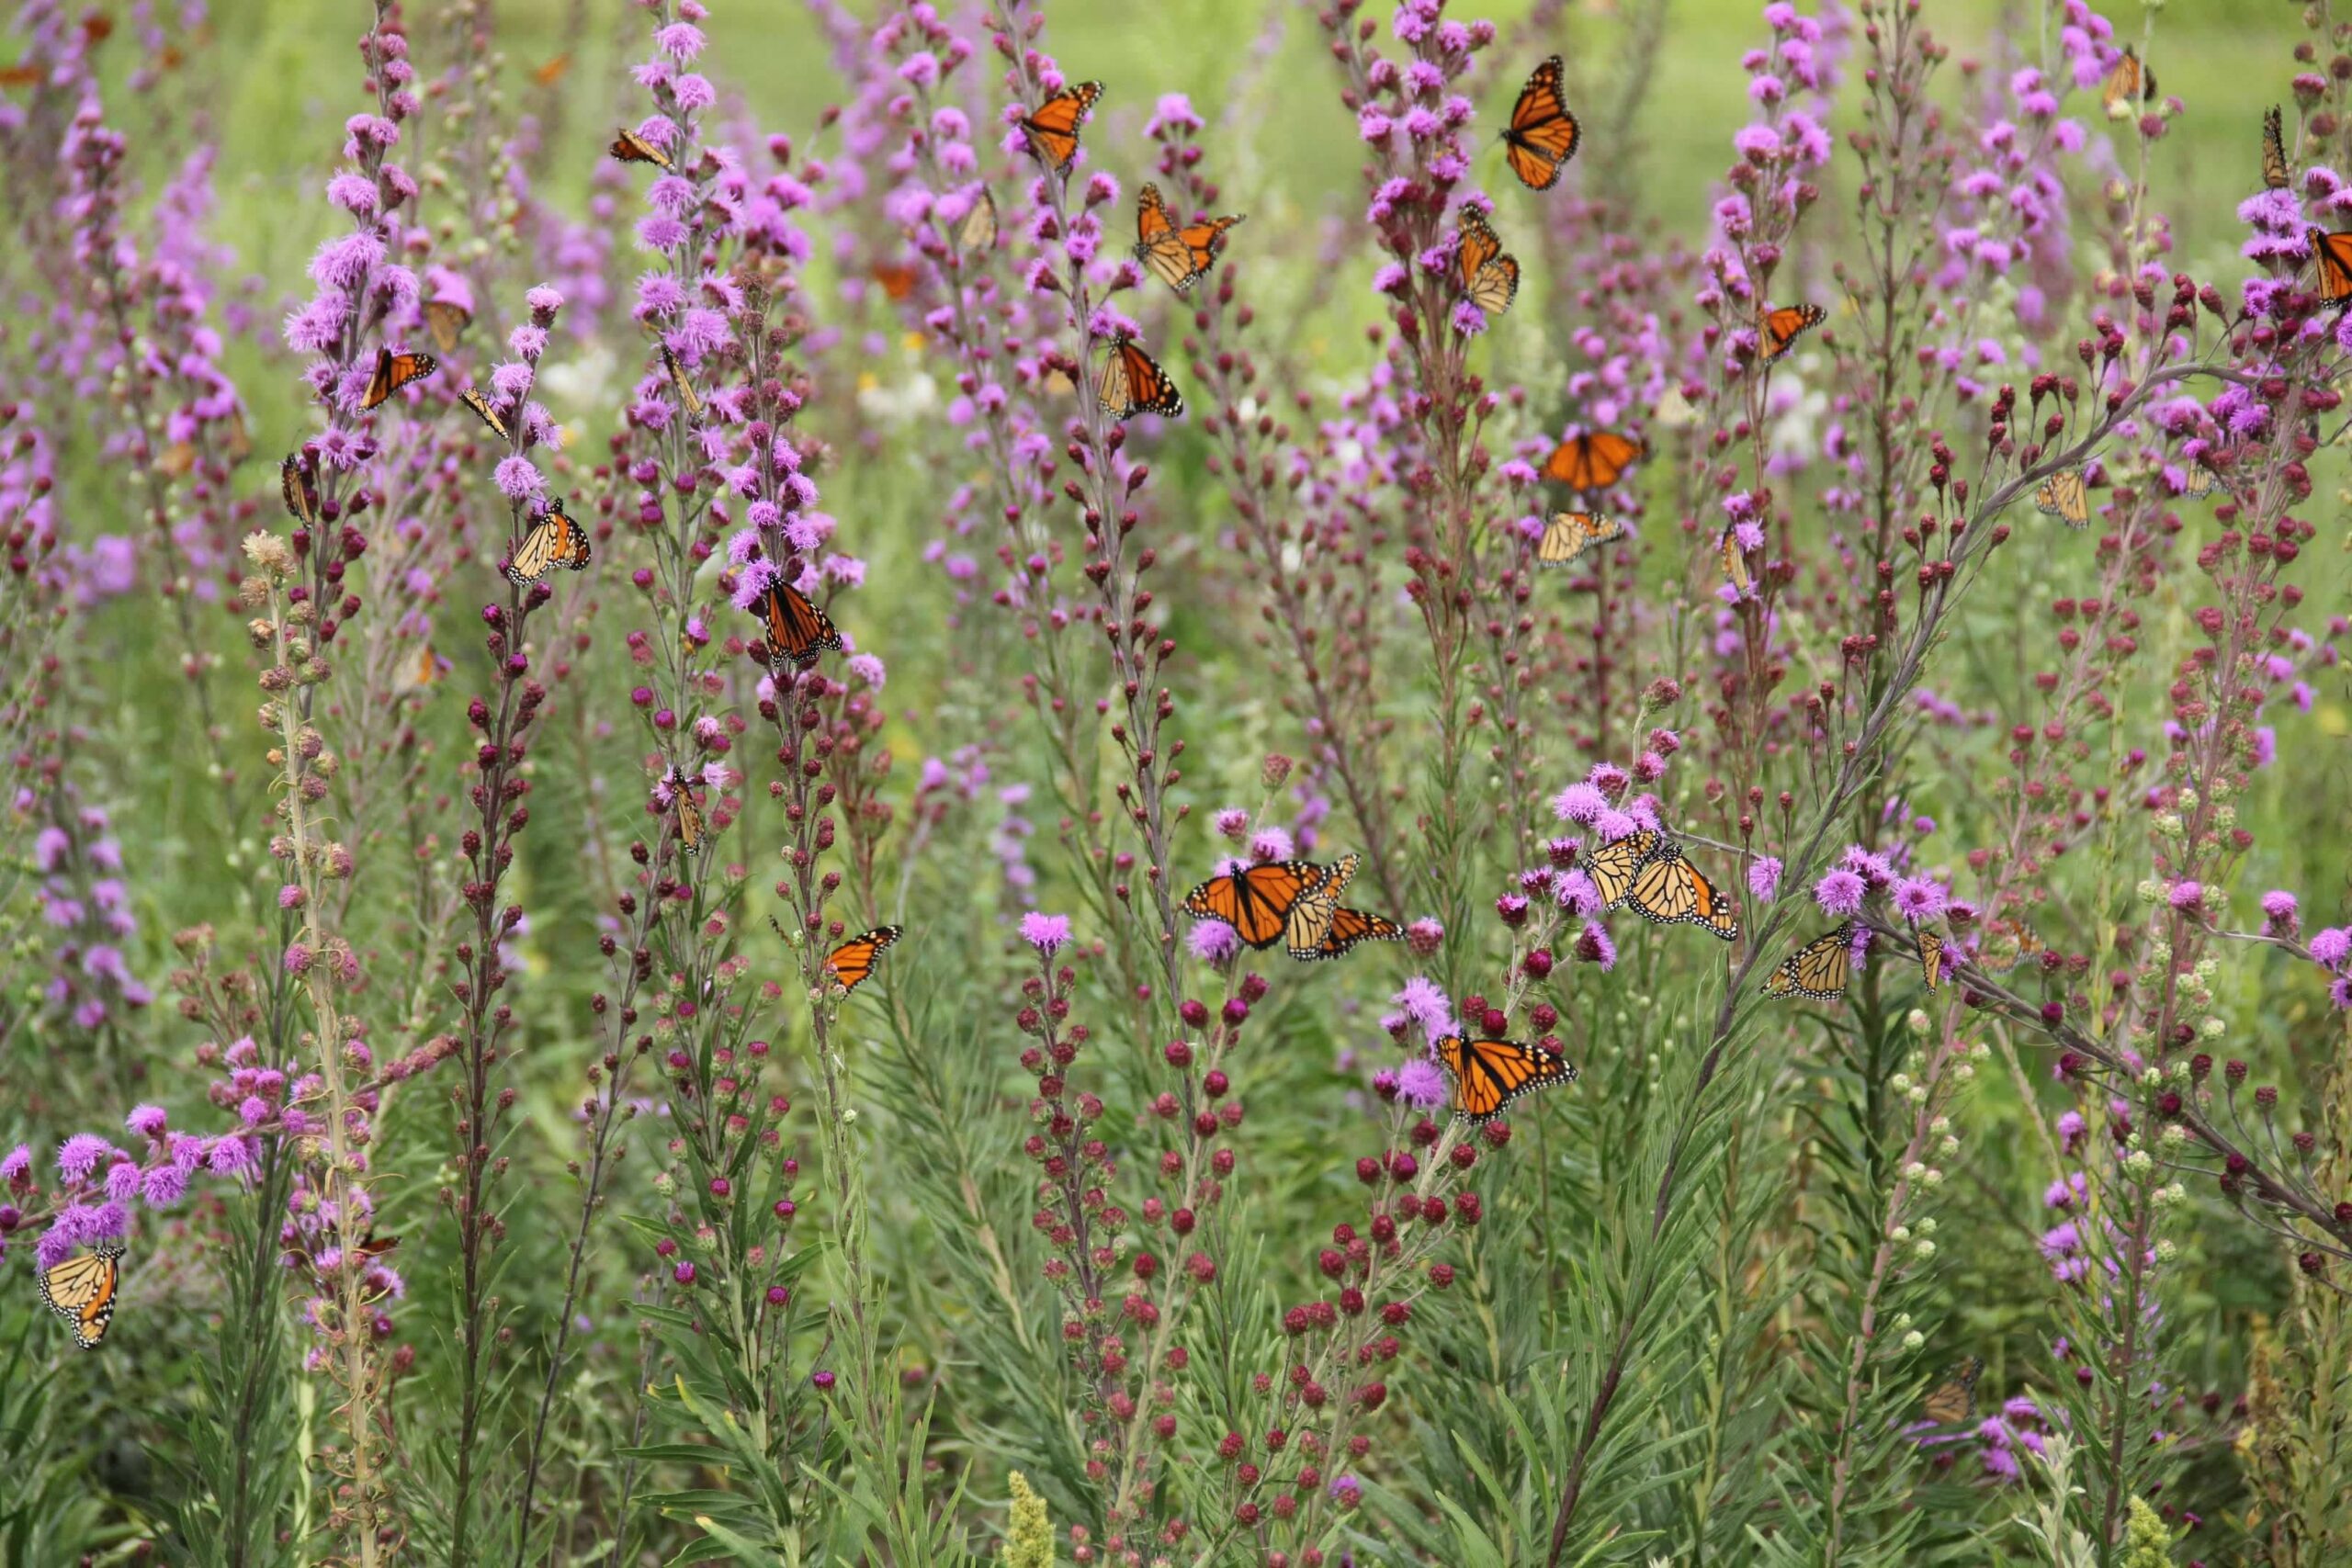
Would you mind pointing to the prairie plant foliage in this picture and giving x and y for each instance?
(418, 960)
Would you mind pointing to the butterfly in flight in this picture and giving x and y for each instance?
(1487, 277)
(394, 371)
(2005, 944)
(2276, 173)
(1952, 1402)
(1931, 957)
(684, 814)
(1734, 561)
(445, 319)
(897, 278)
(630, 148)
(1179, 255)
(548, 73)
(2334, 254)
(81, 1291)
(423, 671)
(1489, 1073)
(1052, 132)
(976, 235)
(472, 396)
(797, 630)
(300, 488)
(1543, 135)
(1818, 969)
(1594, 461)
(1319, 927)
(555, 540)
(1777, 331)
(1257, 900)
(852, 961)
(2127, 82)
(1570, 534)
(2063, 494)
(1133, 383)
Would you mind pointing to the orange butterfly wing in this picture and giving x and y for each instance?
(1256, 901)
(394, 371)
(1777, 331)
(1734, 561)
(852, 961)
(2334, 254)
(1349, 927)
(1053, 130)
(797, 631)
(1594, 461)
(1543, 135)
(1134, 383)
(1931, 957)
(631, 148)
(1489, 1073)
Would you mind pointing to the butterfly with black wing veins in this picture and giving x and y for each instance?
(1178, 254)
(1542, 135)
(1132, 382)
(394, 371)
(1593, 461)
(1570, 534)
(1319, 927)
(1487, 1075)
(1052, 130)
(1818, 969)
(1487, 277)
(81, 1291)
(796, 631)
(555, 540)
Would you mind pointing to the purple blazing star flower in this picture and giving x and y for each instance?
(1046, 933)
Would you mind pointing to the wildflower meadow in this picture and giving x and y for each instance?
(1215, 781)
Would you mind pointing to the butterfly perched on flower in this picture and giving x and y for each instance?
(687, 396)
(1257, 900)
(2063, 494)
(1542, 135)
(796, 631)
(1487, 277)
(394, 371)
(1953, 1401)
(555, 540)
(1319, 927)
(1931, 957)
(1570, 534)
(684, 814)
(1593, 461)
(1645, 872)
(81, 1291)
(1734, 561)
(630, 148)
(852, 961)
(1132, 382)
(2276, 173)
(976, 234)
(2333, 255)
(472, 396)
(1777, 331)
(2128, 82)
(1052, 130)
(1489, 1073)
(1818, 969)
(1179, 255)
(447, 320)
(298, 485)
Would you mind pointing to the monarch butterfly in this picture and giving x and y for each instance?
(554, 540)
(300, 488)
(678, 379)
(1570, 534)
(445, 319)
(852, 961)
(1594, 461)
(1179, 254)
(1317, 927)
(472, 396)
(1668, 890)
(1489, 1073)
(631, 148)
(2063, 494)
(2333, 253)
(1931, 957)
(977, 231)
(2127, 82)
(1133, 383)
(1543, 135)
(1053, 130)
(897, 279)
(1818, 969)
(1257, 900)
(797, 630)
(239, 443)
(1776, 331)
(2276, 174)
(394, 371)
(1612, 865)
(1488, 278)
(423, 671)
(81, 1291)
(2005, 943)
(549, 74)
(684, 813)
(1952, 1402)
(1734, 561)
